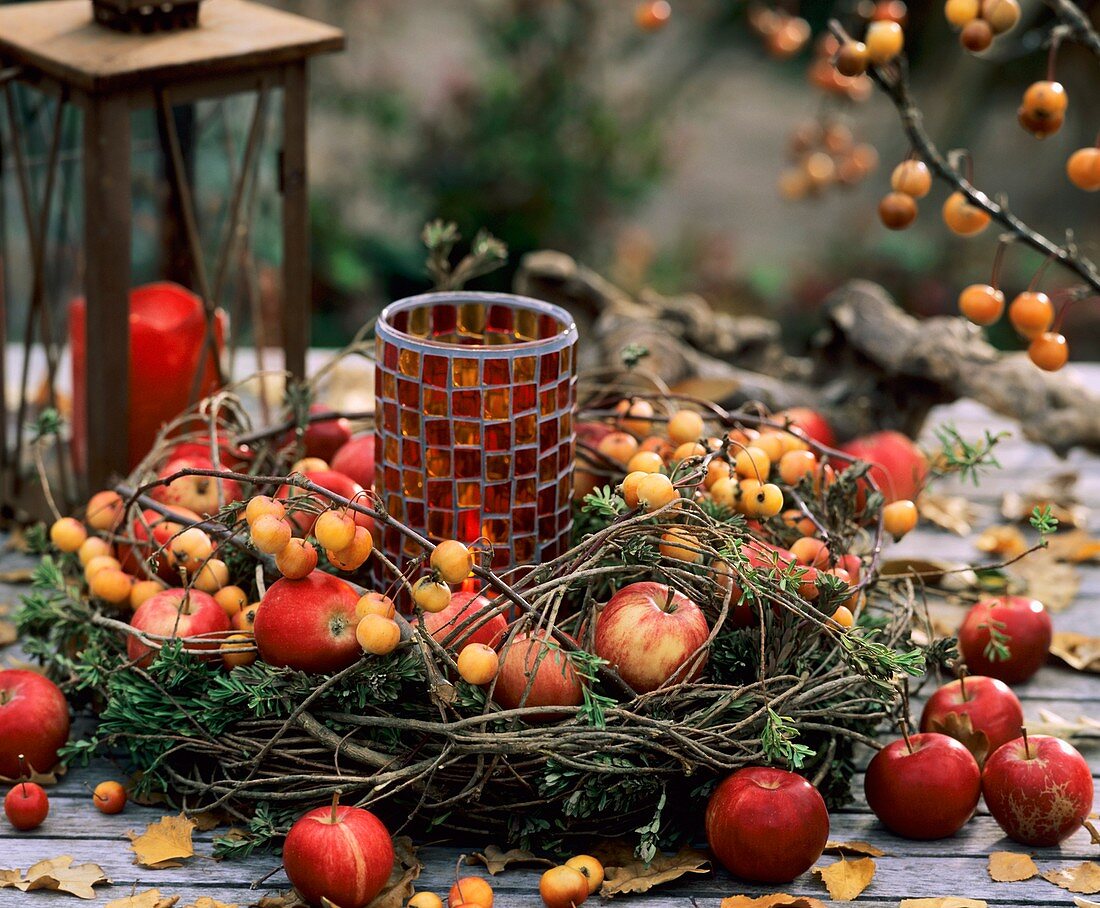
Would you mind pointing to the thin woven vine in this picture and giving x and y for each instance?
(440, 752)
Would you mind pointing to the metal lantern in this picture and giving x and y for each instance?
(70, 90)
(475, 402)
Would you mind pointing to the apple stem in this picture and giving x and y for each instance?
(668, 601)
(25, 772)
(905, 735)
(962, 682)
(335, 804)
(1027, 746)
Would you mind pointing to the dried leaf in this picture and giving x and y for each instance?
(960, 727)
(164, 843)
(1077, 546)
(845, 879)
(1050, 723)
(150, 898)
(57, 875)
(1085, 903)
(1058, 492)
(1011, 867)
(949, 901)
(866, 849)
(1004, 541)
(406, 870)
(204, 901)
(18, 575)
(1094, 833)
(949, 512)
(497, 860)
(8, 634)
(1053, 583)
(636, 876)
(777, 900)
(39, 778)
(209, 819)
(288, 899)
(1078, 651)
(1083, 878)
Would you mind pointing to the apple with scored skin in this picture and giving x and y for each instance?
(986, 704)
(343, 854)
(1023, 621)
(463, 606)
(766, 825)
(308, 624)
(176, 613)
(555, 681)
(1039, 789)
(925, 787)
(34, 721)
(196, 493)
(899, 467)
(650, 634)
(355, 459)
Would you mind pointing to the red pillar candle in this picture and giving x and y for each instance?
(475, 396)
(167, 334)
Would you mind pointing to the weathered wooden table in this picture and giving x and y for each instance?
(953, 867)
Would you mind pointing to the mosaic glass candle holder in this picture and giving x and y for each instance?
(475, 401)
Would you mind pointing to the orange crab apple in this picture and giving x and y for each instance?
(237, 650)
(377, 635)
(109, 797)
(471, 890)
(372, 603)
(563, 887)
(353, 557)
(93, 547)
(297, 559)
(335, 529)
(68, 534)
(104, 511)
(478, 664)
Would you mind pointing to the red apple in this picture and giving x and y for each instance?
(356, 460)
(465, 605)
(229, 455)
(34, 721)
(1039, 789)
(899, 467)
(555, 683)
(196, 493)
(176, 613)
(766, 825)
(343, 854)
(308, 624)
(592, 433)
(1017, 624)
(813, 424)
(26, 806)
(324, 437)
(338, 484)
(980, 712)
(651, 634)
(923, 788)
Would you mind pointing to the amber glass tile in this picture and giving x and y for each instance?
(420, 321)
(564, 518)
(467, 463)
(389, 385)
(391, 449)
(548, 469)
(466, 403)
(548, 402)
(527, 326)
(547, 499)
(525, 490)
(410, 423)
(497, 466)
(408, 363)
(565, 457)
(548, 438)
(438, 461)
(526, 429)
(412, 483)
(436, 370)
(523, 520)
(411, 548)
(441, 523)
(497, 402)
(498, 436)
(565, 393)
(496, 371)
(495, 529)
(395, 504)
(471, 319)
(435, 402)
(498, 499)
(465, 373)
(389, 356)
(437, 433)
(523, 548)
(565, 490)
(410, 452)
(526, 461)
(567, 361)
(548, 526)
(467, 433)
(548, 368)
(565, 426)
(468, 525)
(441, 493)
(523, 369)
(523, 398)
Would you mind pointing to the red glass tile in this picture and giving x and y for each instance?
(565, 393)
(408, 393)
(496, 403)
(467, 463)
(389, 417)
(565, 457)
(498, 466)
(500, 319)
(436, 370)
(401, 320)
(565, 519)
(547, 500)
(548, 368)
(523, 398)
(389, 356)
(525, 490)
(565, 490)
(411, 547)
(498, 436)
(439, 462)
(391, 449)
(548, 526)
(441, 524)
(548, 469)
(466, 403)
(523, 520)
(467, 433)
(413, 485)
(502, 557)
(441, 493)
(524, 548)
(497, 531)
(415, 514)
(410, 453)
(526, 460)
(469, 525)
(498, 499)
(444, 320)
(548, 326)
(525, 430)
(437, 433)
(496, 372)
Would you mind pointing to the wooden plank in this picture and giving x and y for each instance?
(59, 38)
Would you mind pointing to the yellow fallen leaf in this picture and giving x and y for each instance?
(288, 899)
(59, 875)
(1054, 583)
(1074, 545)
(637, 876)
(953, 513)
(18, 575)
(8, 878)
(777, 900)
(1085, 903)
(1083, 878)
(845, 879)
(204, 901)
(406, 870)
(1004, 541)
(948, 901)
(150, 898)
(8, 634)
(1078, 651)
(497, 860)
(164, 843)
(1011, 867)
(862, 848)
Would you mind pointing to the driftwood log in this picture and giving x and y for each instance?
(872, 366)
